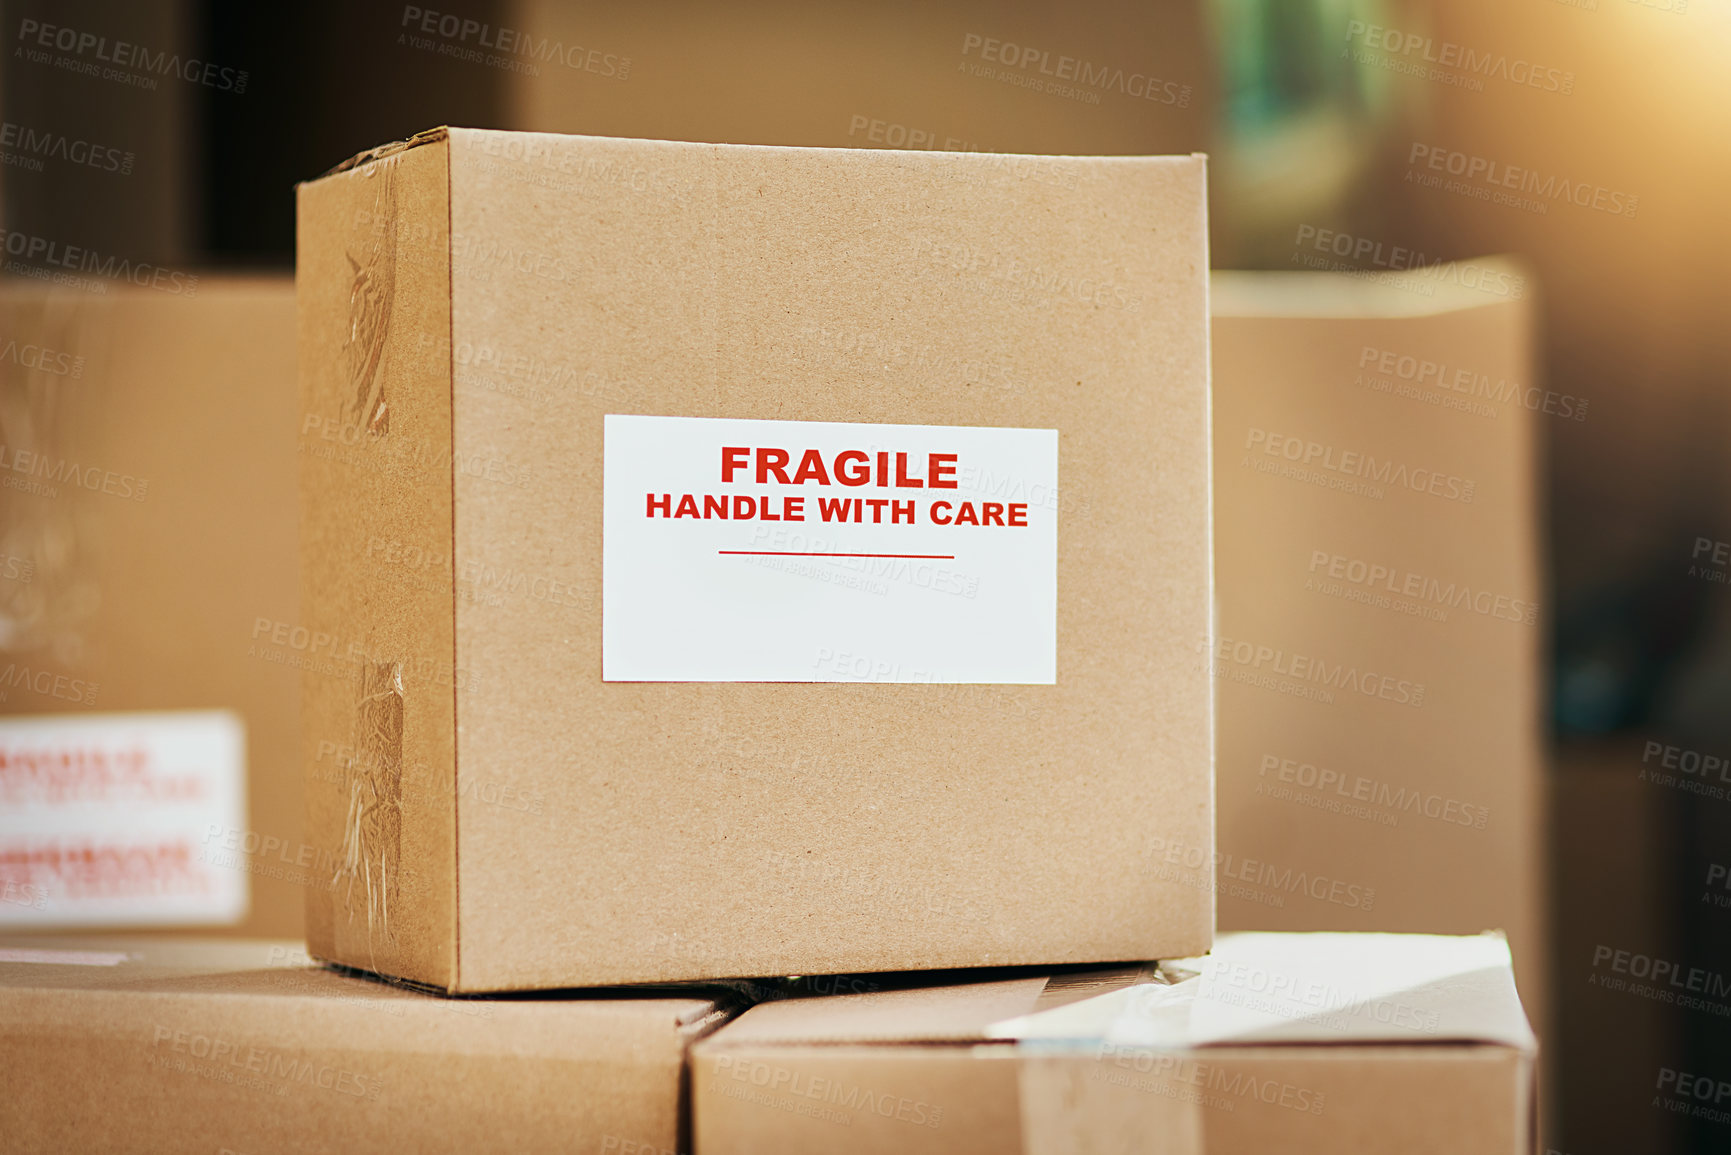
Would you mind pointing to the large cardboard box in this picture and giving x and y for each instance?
(1381, 621)
(148, 545)
(1277, 1042)
(133, 1044)
(599, 730)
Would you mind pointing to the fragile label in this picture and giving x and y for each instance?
(107, 820)
(806, 551)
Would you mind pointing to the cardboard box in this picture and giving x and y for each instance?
(148, 769)
(786, 747)
(1276, 1042)
(132, 1044)
(1381, 624)
(957, 78)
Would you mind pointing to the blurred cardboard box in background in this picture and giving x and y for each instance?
(1380, 623)
(957, 77)
(150, 544)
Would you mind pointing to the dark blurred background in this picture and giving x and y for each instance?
(1313, 112)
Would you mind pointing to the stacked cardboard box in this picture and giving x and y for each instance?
(1380, 627)
(773, 637)
(148, 546)
(690, 590)
(1288, 1042)
(135, 1044)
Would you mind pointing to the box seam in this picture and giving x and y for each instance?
(456, 700)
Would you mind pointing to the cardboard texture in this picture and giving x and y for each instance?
(474, 303)
(1378, 654)
(956, 78)
(1296, 1043)
(148, 537)
(133, 1044)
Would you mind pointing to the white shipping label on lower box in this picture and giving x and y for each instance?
(808, 551)
(122, 819)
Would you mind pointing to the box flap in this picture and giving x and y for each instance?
(274, 971)
(948, 1013)
(1307, 988)
(1411, 291)
(379, 152)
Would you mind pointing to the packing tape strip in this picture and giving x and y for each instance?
(1084, 1089)
(1090, 1103)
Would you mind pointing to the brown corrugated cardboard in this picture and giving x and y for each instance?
(1102, 79)
(1288, 1042)
(133, 1044)
(149, 539)
(1380, 623)
(483, 315)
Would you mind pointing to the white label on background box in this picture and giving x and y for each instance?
(890, 553)
(120, 819)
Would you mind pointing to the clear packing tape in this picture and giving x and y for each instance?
(1127, 1071)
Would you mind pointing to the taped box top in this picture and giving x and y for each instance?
(729, 560)
(162, 1044)
(1275, 1042)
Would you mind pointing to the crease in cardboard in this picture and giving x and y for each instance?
(373, 828)
(393, 148)
(372, 295)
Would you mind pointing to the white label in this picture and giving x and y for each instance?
(119, 819)
(806, 551)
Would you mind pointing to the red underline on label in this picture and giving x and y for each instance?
(797, 553)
